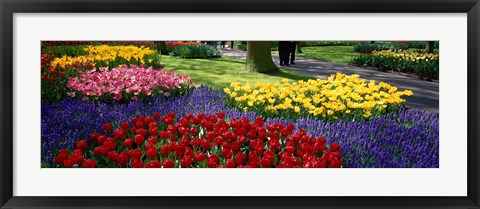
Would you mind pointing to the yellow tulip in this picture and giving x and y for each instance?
(297, 109)
(339, 93)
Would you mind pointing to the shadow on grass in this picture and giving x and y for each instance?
(232, 60)
(220, 72)
(290, 74)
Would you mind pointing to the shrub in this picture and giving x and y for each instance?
(341, 97)
(196, 51)
(274, 45)
(418, 63)
(367, 48)
(241, 45)
(417, 45)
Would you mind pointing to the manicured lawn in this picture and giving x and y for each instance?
(220, 72)
(338, 54)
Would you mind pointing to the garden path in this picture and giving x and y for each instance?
(425, 93)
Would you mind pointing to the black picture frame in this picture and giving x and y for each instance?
(9, 7)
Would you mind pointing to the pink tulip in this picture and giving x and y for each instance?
(116, 81)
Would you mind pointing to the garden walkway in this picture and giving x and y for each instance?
(425, 93)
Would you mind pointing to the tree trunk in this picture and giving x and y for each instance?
(162, 47)
(430, 46)
(259, 57)
(299, 47)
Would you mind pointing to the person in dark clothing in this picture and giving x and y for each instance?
(231, 46)
(222, 44)
(283, 52)
(293, 49)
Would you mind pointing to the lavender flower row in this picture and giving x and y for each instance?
(407, 138)
(70, 120)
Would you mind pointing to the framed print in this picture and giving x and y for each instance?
(266, 104)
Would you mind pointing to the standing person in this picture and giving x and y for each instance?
(293, 49)
(222, 44)
(231, 47)
(283, 52)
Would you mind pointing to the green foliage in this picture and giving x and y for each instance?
(274, 46)
(155, 59)
(330, 43)
(241, 45)
(417, 45)
(55, 90)
(429, 69)
(65, 50)
(421, 45)
(318, 43)
(369, 47)
(195, 51)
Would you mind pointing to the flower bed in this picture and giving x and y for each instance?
(48, 73)
(201, 141)
(56, 71)
(71, 119)
(150, 44)
(54, 79)
(181, 43)
(111, 56)
(406, 138)
(127, 83)
(76, 48)
(419, 63)
(339, 97)
(66, 43)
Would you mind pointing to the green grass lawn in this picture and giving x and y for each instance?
(338, 54)
(218, 73)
